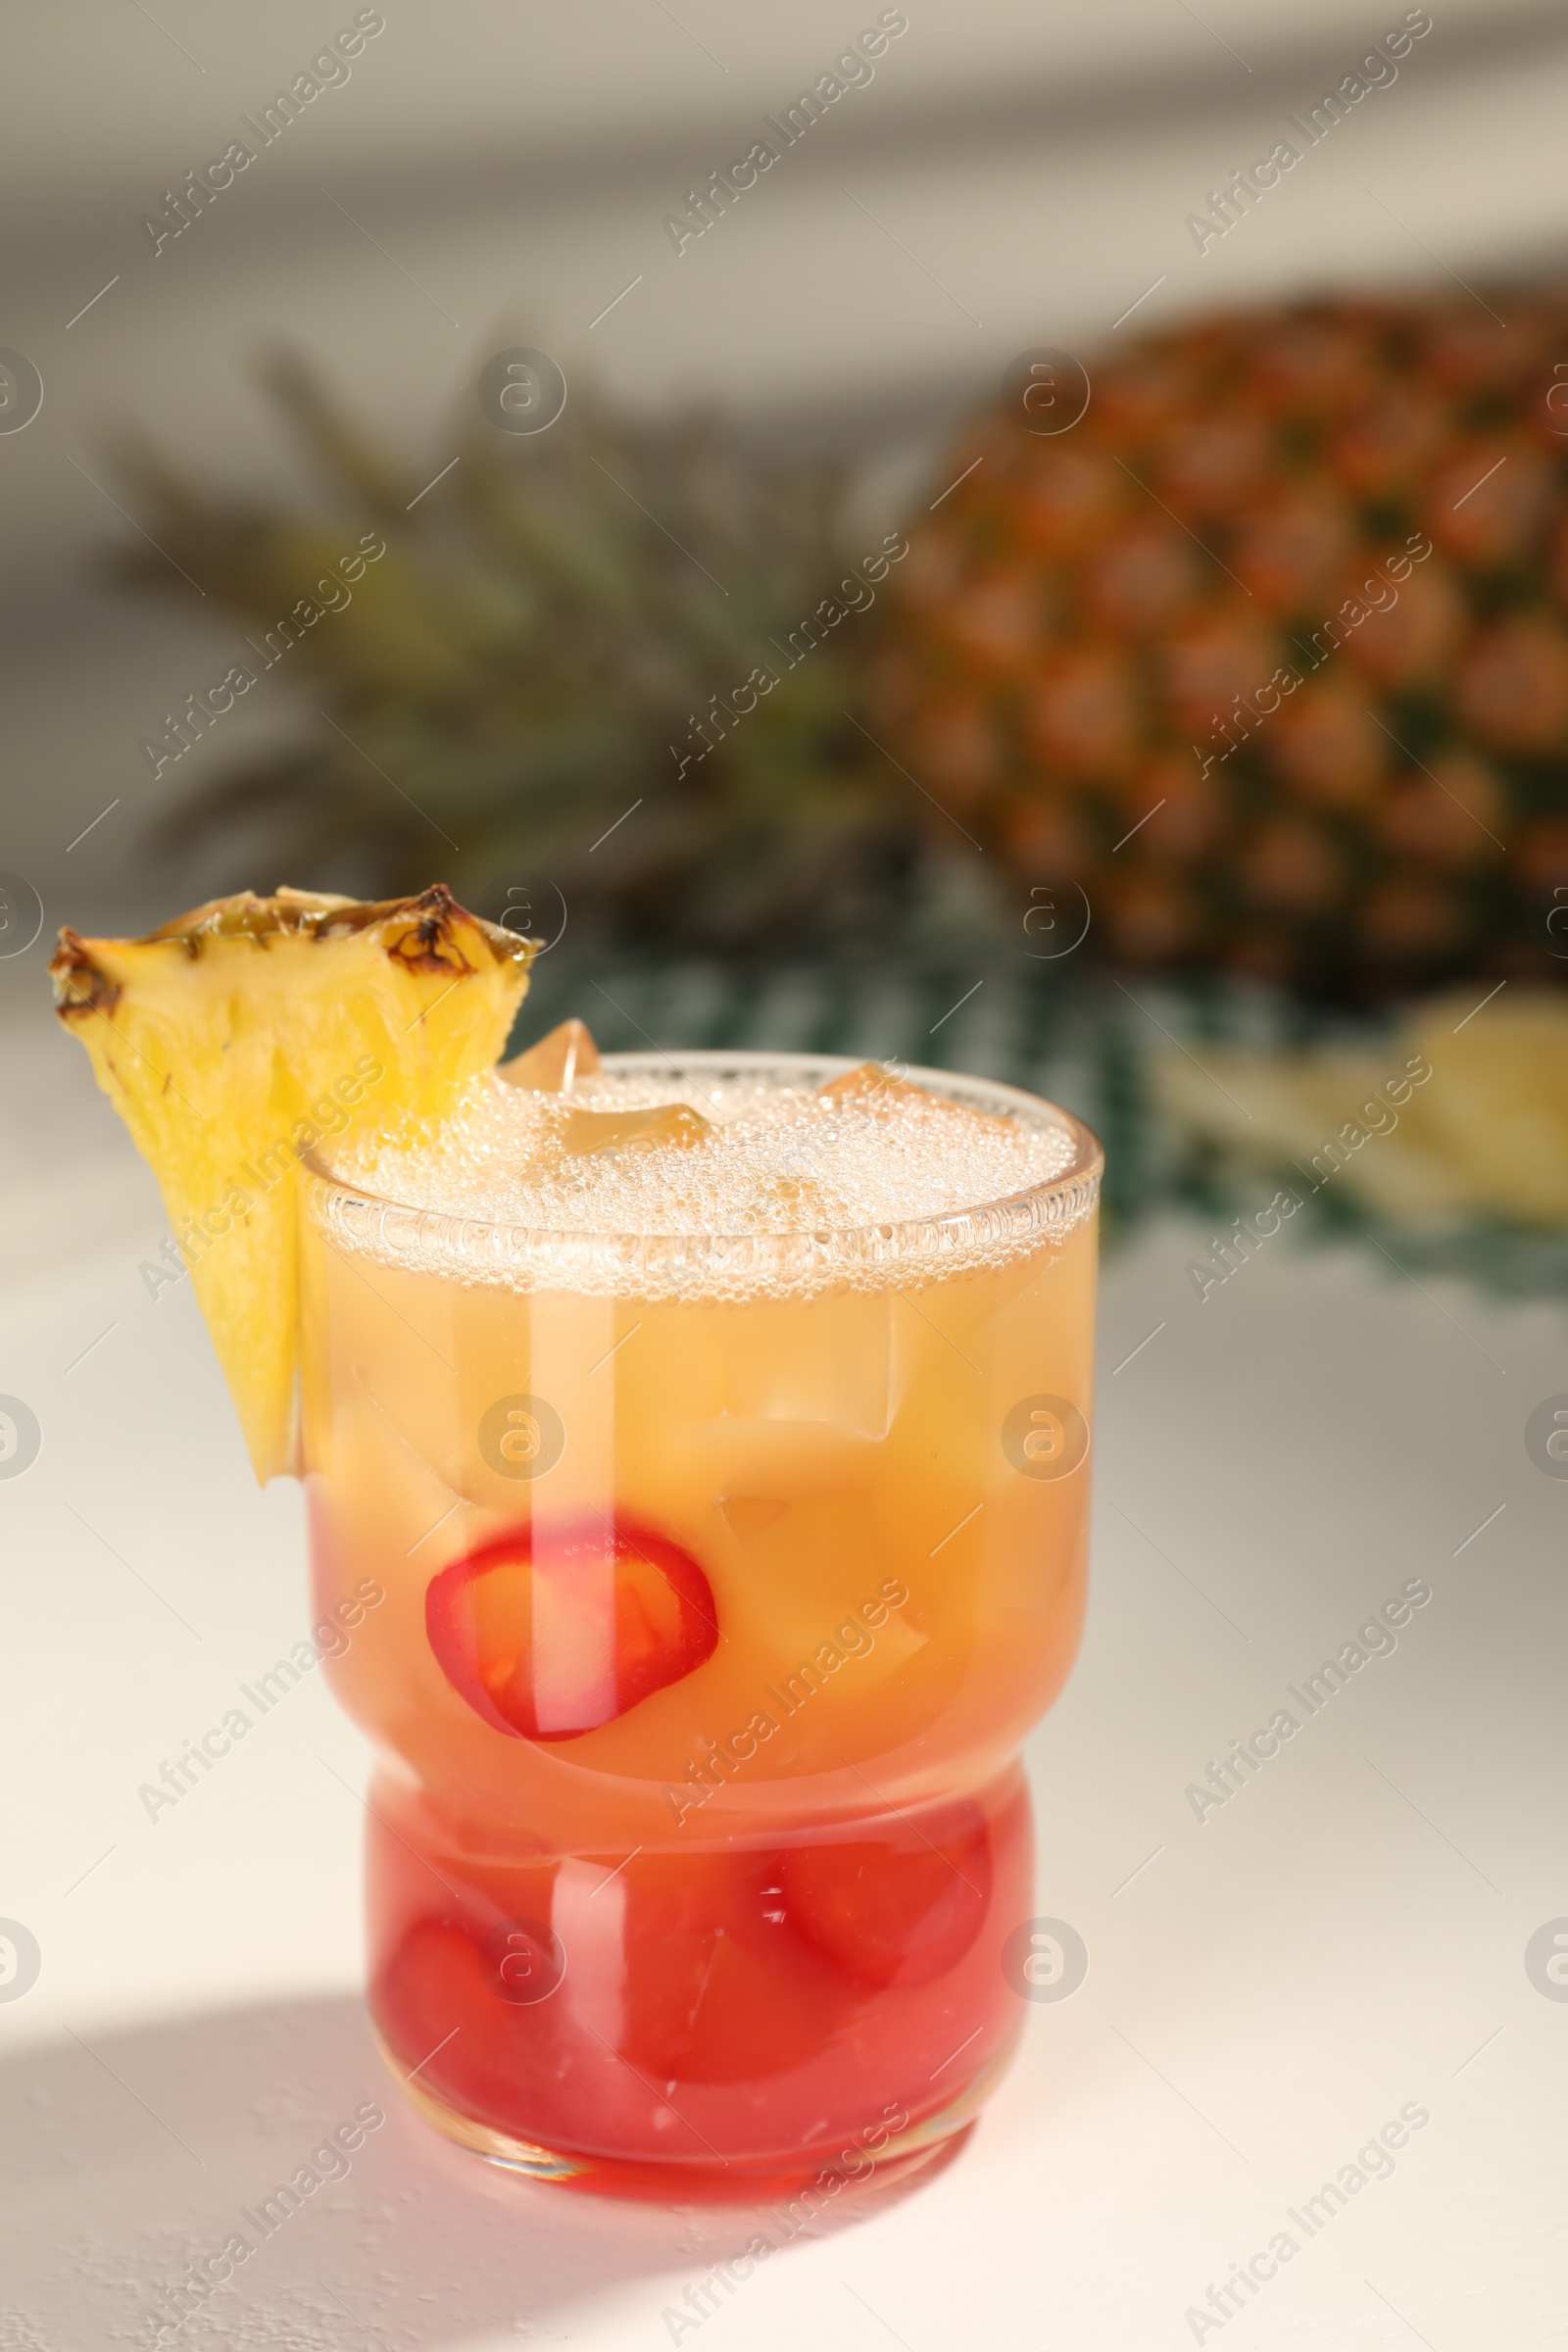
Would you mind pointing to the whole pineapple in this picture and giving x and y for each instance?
(1269, 652)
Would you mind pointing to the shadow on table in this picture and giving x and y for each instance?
(128, 2156)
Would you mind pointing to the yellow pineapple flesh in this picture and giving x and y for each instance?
(241, 1035)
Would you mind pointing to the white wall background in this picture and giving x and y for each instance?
(1029, 170)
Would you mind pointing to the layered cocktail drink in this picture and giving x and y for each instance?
(715, 1431)
(695, 1453)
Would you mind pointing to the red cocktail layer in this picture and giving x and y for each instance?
(755, 2010)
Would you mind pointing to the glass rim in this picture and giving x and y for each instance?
(498, 1251)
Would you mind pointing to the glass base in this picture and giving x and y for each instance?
(723, 2019)
(929, 2142)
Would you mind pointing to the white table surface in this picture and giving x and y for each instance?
(1345, 1936)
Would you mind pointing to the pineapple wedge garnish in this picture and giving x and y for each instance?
(242, 1034)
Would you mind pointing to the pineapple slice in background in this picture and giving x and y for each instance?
(1487, 1138)
(241, 1034)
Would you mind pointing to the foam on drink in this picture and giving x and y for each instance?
(715, 1154)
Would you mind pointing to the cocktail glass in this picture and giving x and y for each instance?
(794, 1524)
